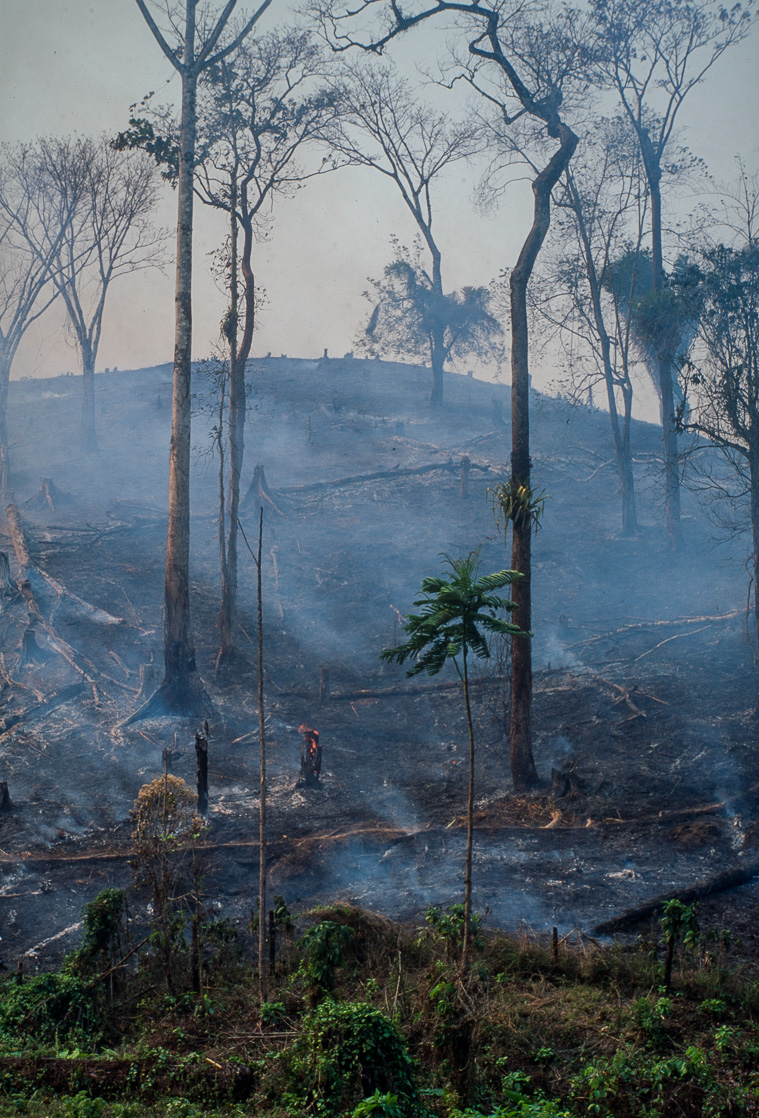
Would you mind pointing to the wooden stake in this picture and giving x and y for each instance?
(324, 685)
(555, 945)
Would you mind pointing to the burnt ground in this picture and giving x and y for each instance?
(644, 679)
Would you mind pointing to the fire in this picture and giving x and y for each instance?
(310, 754)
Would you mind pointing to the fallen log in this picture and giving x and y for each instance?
(42, 709)
(379, 692)
(707, 887)
(640, 626)
(357, 479)
(39, 580)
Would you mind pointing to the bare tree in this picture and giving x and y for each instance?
(109, 233)
(653, 53)
(26, 290)
(259, 109)
(720, 379)
(603, 207)
(520, 66)
(195, 49)
(382, 125)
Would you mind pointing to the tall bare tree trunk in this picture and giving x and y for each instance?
(237, 412)
(87, 431)
(437, 335)
(5, 495)
(620, 433)
(754, 499)
(261, 780)
(467, 942)
(523, 772)
(181, 689)
(664, 359)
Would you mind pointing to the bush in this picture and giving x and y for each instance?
(351, 1051)
(49, 1008)
(323, 947)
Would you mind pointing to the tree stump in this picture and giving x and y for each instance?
(259, 495)
(466, 465)
(8, 587)
(201, 754)
(48, 496)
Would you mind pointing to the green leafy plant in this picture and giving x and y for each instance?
(350, 1050)
(456, 614)
(323, 947)
(50, 1008)
(518, 504)
(272, 1013)
(379, 1105)
(678, 921)
(448, 924)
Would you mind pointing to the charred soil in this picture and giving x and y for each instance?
(644, 688)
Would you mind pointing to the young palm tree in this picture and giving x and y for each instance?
(456, 614)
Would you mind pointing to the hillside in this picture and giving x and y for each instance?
(644, 679)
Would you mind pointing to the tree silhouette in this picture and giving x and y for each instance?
(410, 315)
(456, 614)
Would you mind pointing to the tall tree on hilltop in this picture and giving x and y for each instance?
(409, 316)
(653, 53)
(26, 290)
(112, 196)
(195, 50)
(383, 126)
(521, 68)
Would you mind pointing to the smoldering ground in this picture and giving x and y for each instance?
(643, 675)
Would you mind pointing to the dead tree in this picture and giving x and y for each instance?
(190, 56)
(201, 755)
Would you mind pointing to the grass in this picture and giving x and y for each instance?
(379, 1012)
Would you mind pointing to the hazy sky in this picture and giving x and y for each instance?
(70, 66)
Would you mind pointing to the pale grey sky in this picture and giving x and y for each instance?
(72, 66)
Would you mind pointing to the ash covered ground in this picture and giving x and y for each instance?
(644, 679)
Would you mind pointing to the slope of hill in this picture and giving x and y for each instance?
(644, 686)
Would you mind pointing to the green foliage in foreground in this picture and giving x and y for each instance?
(368, 1019)
(49, 1008)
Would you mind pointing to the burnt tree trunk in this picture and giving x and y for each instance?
(664, 360)
(524, 774)
(261, 776)
(466, 465)
(5, 495)
(201, 756)
(7, 585)
(87, 430)
(5, 799)
(237, 410)
(754, 501)
(620, 432)
(181, 690)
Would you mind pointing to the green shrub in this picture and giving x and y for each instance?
(49, 1008)
(323, 948)
(350, 1050)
